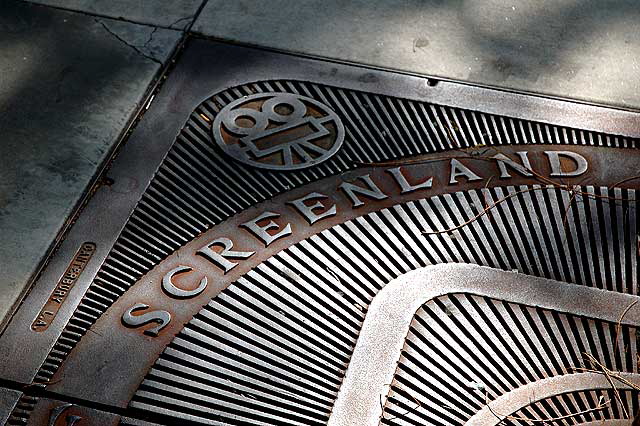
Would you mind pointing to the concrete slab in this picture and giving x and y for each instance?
(69, 85)
(176, 14)
(581, 49)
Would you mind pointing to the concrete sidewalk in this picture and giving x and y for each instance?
(75, 73)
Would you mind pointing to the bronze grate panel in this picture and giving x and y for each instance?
(158, 330)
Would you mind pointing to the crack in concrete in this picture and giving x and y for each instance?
(150, 37)
(91, 14)
(171, 25)
(132, 46)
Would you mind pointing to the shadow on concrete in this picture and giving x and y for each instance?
(68, 88)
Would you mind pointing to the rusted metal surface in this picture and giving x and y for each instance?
(53, 412)
(142, 350)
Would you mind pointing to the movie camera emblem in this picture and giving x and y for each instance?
(278, 131)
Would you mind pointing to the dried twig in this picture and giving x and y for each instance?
(612, 374)
(418, 405)
(619, 324)
(574, 193)
(484, 211)
(624, 181)
(552, 185)
(600, 406)
(333, 274)
(537, 175)
(609, 377)
(487, 198)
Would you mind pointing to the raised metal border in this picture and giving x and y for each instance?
(206, 68)
(493, 414)
(383, 333)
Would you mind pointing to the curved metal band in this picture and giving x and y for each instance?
(377, 351)
(496, 411)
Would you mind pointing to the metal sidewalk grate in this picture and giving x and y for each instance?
(238, 288)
